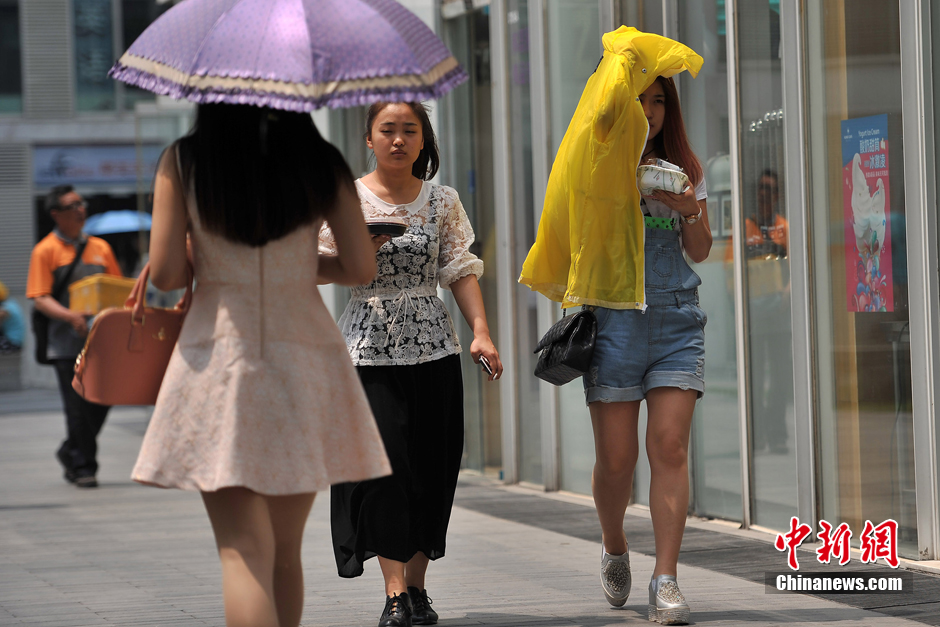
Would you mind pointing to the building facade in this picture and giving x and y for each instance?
(814, 120)
(62, 120)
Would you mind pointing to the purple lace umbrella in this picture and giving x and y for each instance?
(297, 55)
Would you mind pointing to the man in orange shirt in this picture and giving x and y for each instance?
(767, 231)
(51, 262)
(767, 246)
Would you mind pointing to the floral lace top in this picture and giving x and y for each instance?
(398, 319)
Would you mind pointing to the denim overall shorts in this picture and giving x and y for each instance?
(664, 346)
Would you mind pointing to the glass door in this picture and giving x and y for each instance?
(466, 165)
(715, 449)
(573, 47)
(523, 232)
(772, 454)
(865, 421)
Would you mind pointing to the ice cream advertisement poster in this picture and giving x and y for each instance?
(866, 189)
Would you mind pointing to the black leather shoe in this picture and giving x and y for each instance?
(397, 611)
(65, 459)
(422, 614)
(86, 481)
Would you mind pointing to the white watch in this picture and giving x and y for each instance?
(693, 219)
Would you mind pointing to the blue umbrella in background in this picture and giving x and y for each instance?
(123, 221)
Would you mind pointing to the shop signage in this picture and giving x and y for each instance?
(866, 197)
(90, 165)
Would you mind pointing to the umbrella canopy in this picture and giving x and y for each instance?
(297, 55)
(123, 221)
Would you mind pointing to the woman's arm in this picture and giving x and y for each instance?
(470, 301)
(697, 237)
(168, 231)
(354, 263)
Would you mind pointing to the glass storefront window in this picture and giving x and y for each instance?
(136, 16)
(574, 47)
(935, 28)
(862, 341)
(467, 165)
(526, 301)
(11, 80)
(94, 55)
(645, 15)
(767, 267)
(715, 449)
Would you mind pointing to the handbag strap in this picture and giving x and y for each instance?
(138, 296)
(61, 284)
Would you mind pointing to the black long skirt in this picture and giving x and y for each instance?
(419, 412)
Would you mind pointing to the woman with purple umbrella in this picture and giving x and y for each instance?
(403, 343)
(248, 411)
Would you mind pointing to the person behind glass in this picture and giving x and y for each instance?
(404, 345)
(669, 375)
(767, 237)
(260, 407)
(767, 230)
(49, 264)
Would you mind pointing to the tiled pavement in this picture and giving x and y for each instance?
(129, 555)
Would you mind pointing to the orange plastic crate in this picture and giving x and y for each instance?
(99, 291)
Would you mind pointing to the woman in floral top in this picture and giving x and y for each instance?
(404, 345)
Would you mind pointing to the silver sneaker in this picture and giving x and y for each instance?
(615, 577)
(667, 605)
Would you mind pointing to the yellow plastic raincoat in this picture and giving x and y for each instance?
(589, 247)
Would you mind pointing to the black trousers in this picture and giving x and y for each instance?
(83, 421)
(419, 412)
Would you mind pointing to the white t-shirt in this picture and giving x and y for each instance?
(660, 210)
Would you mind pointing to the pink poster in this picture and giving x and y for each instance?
(866, 200)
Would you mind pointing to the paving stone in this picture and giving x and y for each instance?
(128, 555)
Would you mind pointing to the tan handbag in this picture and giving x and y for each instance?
(127, 350)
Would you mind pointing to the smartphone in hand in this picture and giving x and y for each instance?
(486, 365)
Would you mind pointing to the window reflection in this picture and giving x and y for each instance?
(863, 353)
(716, 456)
(137, 15)
(94, 54)
(574, 47)
(11, 81)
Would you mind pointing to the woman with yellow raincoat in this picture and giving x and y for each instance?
(602, 245)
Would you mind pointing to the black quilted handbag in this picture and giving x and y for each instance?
(567, 348)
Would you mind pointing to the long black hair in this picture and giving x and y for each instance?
(429, 159)
(259, 173)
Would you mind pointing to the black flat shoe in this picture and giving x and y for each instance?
(86, 481)
(66, 461)
(397, 611)
(422, 614)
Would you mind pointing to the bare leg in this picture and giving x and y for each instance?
(394, 573)
(288, 518)
(667, 445)
(245, 539)
(415, 570)
(616, 448)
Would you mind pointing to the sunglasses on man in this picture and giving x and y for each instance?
(78, 204)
